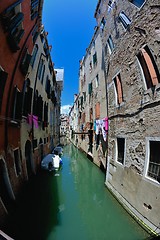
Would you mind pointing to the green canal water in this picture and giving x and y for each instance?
(72, 206)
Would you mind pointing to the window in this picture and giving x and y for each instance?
(97, 110)
(34, 8)
(27, 98)
(17, 161)
(121, 149)
(103, 22)
(40, 108)
(81, 101)
(154, 160)
(3, 78)
(110, 44)
(46, 50)
(124, 20)
(97, 81)
(40, 67)
(89, 88)
(45, 114)
(34, 54)
(48, 87)
(149, 68)
(35, 34)
(12, 19)
(35, 103)
(118, 88)
(42, 78)
(90, 66)
(95, 59)
(84, 96)
(26, 59)
(17, 105)
(137, 3)
(110, 3)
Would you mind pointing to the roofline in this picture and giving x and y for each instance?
(97, 8)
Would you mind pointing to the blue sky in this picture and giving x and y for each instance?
(70, 24)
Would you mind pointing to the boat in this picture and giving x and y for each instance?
(58, 150)
(51, 162)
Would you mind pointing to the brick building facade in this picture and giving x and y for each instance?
(28, 100)
(130, 43)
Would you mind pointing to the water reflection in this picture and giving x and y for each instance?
(72, 205)
(36, 206)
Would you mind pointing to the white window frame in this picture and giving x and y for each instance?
(109, 45)
(142, 74)
(148, 139)
(137, 6)
(124, 19)
(121, 164)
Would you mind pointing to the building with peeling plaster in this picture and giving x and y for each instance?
(130, 34)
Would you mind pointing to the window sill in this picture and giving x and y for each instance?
(151, 180)
(14, 123)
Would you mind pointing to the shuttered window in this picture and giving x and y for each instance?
(34, 54)
(97, 110)
(46, 113)
(35, 34)
(35, 103)
(34, 9)
(149, 67)
(48, 87)
(26, 59)
(40, 67)
(17, 105)
(27, 101)
(12, 19)
(118, 86)
(40, 108)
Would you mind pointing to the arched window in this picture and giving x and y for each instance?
(149, 68)
(118, 87)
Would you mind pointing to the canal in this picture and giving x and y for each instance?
(74, 205)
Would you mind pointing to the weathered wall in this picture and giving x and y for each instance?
(136, 118)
